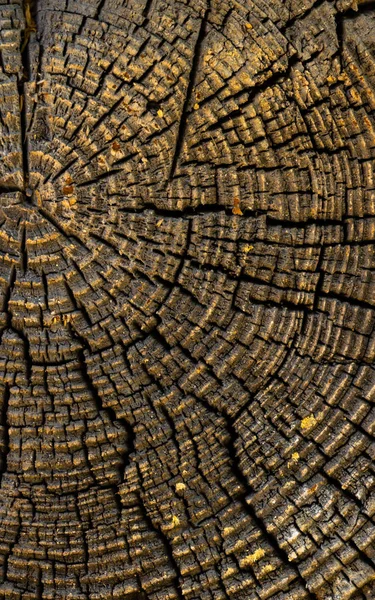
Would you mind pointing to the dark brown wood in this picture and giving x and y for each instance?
(187, 282)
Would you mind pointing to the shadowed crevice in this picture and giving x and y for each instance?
(189, 91)
(29, 8)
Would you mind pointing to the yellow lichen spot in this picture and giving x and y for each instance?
(175, 521)
(248, 249)
(253, 558)
(267, 569)
(264, 105)
(355, 95)
(160, 113)
(196, 106)
(239, 545)
(308, 422)
(313, 488)
(248, 25)
(180, 487)
(236, 210)
(160, 222)
(294, 459)
(229, 572)
(345, 78)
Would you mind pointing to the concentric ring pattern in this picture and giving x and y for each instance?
(187, 294)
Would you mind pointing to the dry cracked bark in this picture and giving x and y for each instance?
(187, 299)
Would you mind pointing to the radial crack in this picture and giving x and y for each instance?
(29, 8)
(190, 87)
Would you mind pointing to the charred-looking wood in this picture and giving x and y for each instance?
(187, 311)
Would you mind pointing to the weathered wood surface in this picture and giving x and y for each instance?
(187, 278)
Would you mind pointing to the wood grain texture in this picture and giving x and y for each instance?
(187, 296)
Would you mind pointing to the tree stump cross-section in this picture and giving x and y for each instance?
(187, 299)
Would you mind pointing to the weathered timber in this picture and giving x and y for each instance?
(187, 297)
